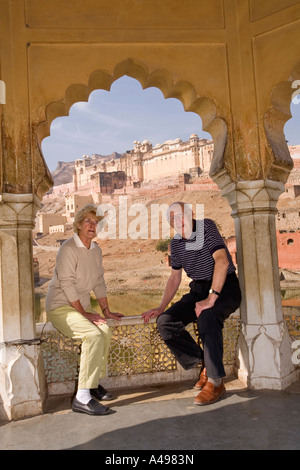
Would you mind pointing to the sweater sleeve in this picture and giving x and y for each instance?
(66, 262)
(100, 286)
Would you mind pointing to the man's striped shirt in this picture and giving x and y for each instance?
(194, 254)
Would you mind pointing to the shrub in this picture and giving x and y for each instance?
(163, 245)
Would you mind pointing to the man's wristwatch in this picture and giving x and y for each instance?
(211, 291)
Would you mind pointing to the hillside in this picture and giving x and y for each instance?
(135, 264)
(63, 173)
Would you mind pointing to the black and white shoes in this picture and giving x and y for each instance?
(101, 394)
(92, 408)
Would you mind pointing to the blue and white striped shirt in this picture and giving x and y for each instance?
(194, 254)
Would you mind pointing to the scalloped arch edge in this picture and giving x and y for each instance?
(161, 79)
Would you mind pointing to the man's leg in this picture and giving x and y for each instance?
(210, 325)
(171, 326)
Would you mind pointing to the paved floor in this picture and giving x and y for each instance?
(164, 417)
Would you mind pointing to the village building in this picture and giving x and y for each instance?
(74, 202)
(57, 228)
(288, 219)
(288, 248)
(44, 221)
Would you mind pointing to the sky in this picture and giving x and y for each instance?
(112, 120)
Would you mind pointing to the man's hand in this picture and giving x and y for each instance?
(219, 276)
(204, 304)
(153, 313)
(170, 290)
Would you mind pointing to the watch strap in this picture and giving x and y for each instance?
(212, 291)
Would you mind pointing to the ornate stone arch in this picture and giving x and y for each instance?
(281, 163)
(160, 78)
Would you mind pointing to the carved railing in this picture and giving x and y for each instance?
(138, 356)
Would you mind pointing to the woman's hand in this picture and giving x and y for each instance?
(113, 315)
(94, 318)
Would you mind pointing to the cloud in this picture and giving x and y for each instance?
(109, 118)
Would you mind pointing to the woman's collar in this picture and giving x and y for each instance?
(80, 244)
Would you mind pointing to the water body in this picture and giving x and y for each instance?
(291, 297)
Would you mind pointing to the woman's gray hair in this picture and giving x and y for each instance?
(82, 213)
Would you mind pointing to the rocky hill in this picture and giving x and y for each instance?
(63, 173)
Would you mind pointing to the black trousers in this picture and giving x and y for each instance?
(171, 326)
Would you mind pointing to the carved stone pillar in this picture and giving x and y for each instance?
(265, 352)
(22, 386)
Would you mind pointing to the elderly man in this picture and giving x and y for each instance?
(199, 249)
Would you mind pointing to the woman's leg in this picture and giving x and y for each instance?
(95, 343)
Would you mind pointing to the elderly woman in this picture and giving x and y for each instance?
(79, 271)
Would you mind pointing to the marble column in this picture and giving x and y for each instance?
(264, 349)
(22, 382)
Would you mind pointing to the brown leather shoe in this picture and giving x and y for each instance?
(210, 394)
(202, 380)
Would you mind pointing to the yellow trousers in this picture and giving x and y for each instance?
(95, 342)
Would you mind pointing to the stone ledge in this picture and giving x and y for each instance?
(137, 356)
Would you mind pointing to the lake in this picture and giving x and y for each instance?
(290, 297)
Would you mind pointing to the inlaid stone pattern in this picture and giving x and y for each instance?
(136, 348)
(61, 357)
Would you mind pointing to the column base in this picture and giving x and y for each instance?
(265, 357)
(268, 383)
(22, 382)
